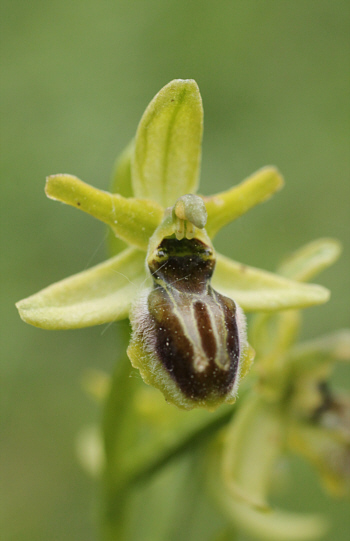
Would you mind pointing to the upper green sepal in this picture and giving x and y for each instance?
(167, 156)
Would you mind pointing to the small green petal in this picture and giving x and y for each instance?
(168, 144)
(227, 206)
(98, 295)
(132, 220)
(258, 290)
(310, 260)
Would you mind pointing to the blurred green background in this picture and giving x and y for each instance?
(275, 80)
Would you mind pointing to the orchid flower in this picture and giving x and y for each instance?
(157, 218)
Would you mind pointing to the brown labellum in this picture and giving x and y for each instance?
(187, 338)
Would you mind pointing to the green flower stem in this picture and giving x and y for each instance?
(227, 206)
(132, 220)
(196, 438)
(117, 492)
(125, 467)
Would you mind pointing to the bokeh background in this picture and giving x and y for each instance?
(76, 77)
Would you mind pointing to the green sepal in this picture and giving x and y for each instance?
(325, 350)
(252, 444)
(277, 525)
(272, 334)
(132, 220)
(310, 260)
(98, 295)
(309, 365)
(168, 144)
(257, 290)
(227, 206)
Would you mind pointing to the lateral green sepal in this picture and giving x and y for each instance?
(258, 290)
(98, 295)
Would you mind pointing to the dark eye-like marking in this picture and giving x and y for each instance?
(190, 333)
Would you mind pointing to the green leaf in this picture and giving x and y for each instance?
(132, 220)
(98, 295)
(168, 144)
(119, 434)
(227, 206)
(258, 290)
(310, 260)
